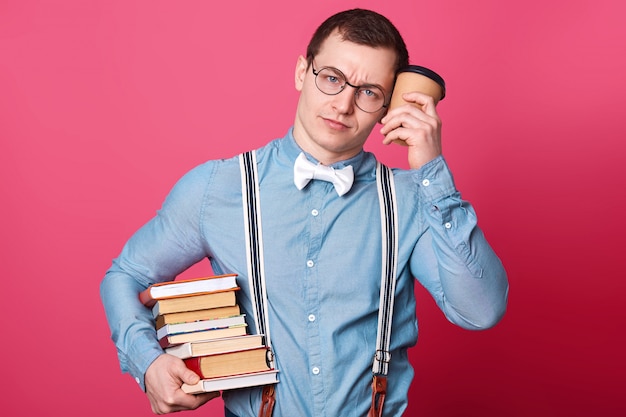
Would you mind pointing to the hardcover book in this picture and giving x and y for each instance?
(189, 316)
(229, 363)
(196, 326)
(208, 347)
(195, 302)
(179, 288)
(177, 339)
(232, 382)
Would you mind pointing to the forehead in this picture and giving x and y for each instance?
(361, 63)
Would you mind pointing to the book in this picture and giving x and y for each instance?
(189, 316)
(180, 288)
(232, 382)
(229, 363)
(207, 347)
(204, 326)
(177, 339)
(195, 302)
(176, 328)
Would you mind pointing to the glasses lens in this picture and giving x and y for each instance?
(330, 81)
(370, 99)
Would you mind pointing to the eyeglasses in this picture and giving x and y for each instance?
(331, 81)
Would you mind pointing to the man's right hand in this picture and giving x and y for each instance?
(164, 378)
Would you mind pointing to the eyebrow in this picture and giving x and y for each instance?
(344, 75)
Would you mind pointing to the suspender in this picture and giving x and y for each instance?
(256, 273)
(256, 270)
(254, 242)
(389, 225)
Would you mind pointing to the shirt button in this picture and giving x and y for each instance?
(311, 317)
(315, 370)
(310, 263)
(137, 380)
(315, 212)
(426, 183)
(448, 225)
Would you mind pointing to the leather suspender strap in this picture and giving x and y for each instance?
(268, 400)
(389, 226)
(256, 269)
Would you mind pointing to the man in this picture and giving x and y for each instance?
(322, 250)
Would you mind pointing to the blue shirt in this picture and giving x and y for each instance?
(322, 263)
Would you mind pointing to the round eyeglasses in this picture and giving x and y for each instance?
(331, 81)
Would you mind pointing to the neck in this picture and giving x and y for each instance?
(320, 153)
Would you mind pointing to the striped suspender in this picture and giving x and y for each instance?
(256, 271)
(388, 219)
(389, 225)
(254, 241)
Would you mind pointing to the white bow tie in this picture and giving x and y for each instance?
(305, 171)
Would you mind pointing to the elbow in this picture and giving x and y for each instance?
(490, 313)
(478, 322)
(491, 319)
(481, 314)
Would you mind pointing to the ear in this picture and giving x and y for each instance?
(301, 68)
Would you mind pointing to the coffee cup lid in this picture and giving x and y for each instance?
(427, 73)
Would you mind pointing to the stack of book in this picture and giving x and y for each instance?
(200, 321)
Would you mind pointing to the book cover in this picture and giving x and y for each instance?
(232, 382)
(229, 363)
(170, 329)
(179, 288)
(176, 339)
(189, 316)
(208, 347)
(195, 302)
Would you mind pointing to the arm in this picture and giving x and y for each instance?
(452, 259)
(160, 250)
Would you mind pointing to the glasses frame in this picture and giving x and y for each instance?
(343, 87)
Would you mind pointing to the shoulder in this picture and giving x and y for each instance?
(224, 173)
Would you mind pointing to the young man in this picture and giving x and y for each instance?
(322, 244)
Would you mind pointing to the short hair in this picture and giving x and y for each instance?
(363, 27)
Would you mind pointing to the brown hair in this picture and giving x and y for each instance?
(363, 27)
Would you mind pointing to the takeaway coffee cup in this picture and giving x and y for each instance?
(417, 78)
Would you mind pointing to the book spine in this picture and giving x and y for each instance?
(181, 351)
(146, 297)
(193, 363)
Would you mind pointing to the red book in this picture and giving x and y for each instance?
(229, 363)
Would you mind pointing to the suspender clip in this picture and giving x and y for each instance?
(382, 356)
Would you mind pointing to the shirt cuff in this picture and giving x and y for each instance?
(144, 352)
(434, 181)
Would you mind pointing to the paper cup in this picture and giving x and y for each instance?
(416, 78)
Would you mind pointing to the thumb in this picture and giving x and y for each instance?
(189, 377)
(185, 374)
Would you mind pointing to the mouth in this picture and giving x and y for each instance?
(335, 124)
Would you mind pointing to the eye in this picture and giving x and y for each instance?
(370, 93)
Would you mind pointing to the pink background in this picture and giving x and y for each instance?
(104, 104)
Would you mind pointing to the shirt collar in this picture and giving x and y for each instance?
(293, 150)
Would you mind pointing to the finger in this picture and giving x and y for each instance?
(205, 397)
(194, 401)
(397, 135)
(189, 377)
(399, 118)
(419, 99)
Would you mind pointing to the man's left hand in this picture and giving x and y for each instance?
(416, 125)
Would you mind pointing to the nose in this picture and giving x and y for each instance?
(344, 102)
